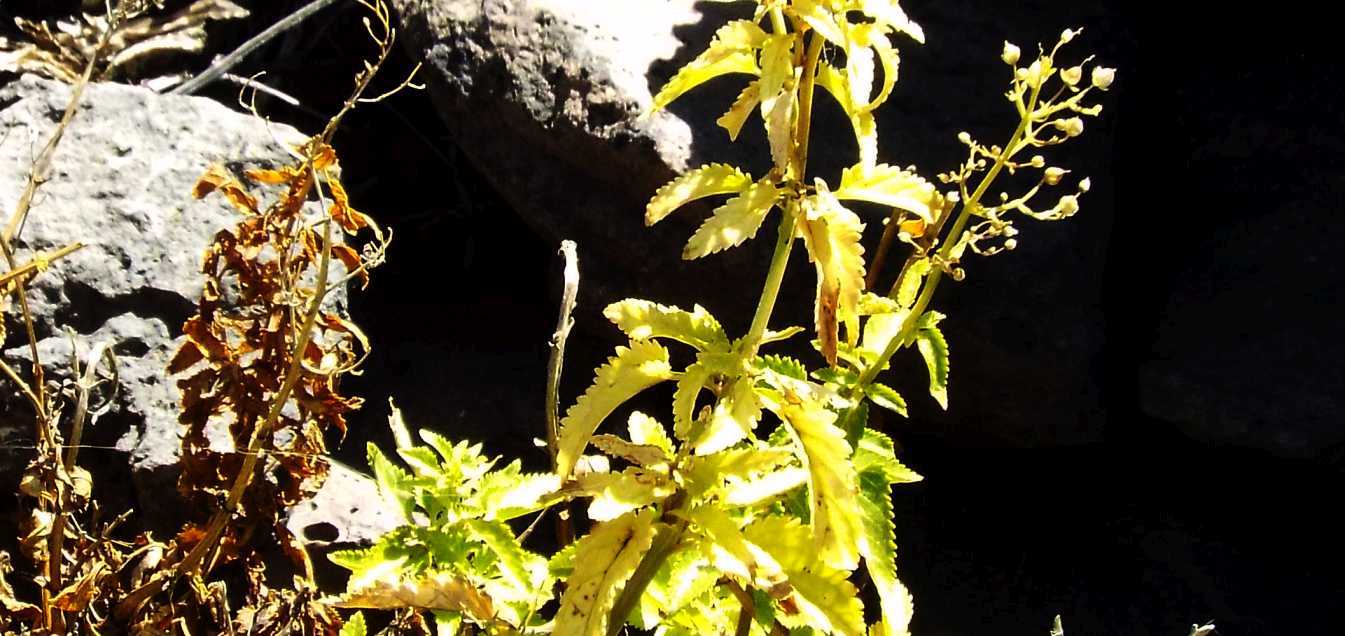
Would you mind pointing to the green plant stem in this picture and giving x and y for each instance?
(969, 208)
(663, 547)
(784, 241)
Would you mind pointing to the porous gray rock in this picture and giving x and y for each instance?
(547, 98)
(120, 183)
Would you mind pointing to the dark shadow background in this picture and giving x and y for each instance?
(1220, 225)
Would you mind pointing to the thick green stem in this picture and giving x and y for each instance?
(663, 547)
(784, 241)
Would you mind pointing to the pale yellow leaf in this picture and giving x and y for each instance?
(647, 431)
(631, 370)
(832, 236)
(642, 319)
(645, 455)
(892, 187)
(615, 494)
(604, 559)
(733, 418)
(731, 51)
(705, 181)
(825, 599)
(770, 485)
(737, 114)
(734, 222)
(438, 591)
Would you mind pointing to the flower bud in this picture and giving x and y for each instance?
(1037, 161)
(1072, 75)
(1085, 184)
(1069, 204)
(1010, 54)
(1072, 127)
(1103, 77)
(1010, 244)
(1067, 35)
(964, 137)
(1034, 74)
(1053, 175)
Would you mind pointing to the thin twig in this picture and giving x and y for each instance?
(221, 66)
(568, 299)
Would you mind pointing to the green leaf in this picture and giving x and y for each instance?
(934, 349)
(603, 561)
(631, 370)
(911, 281)
(730, 550)
(783, 365)
(734, 222)
(705, 181)
(354, 626)
(510, 555)
(509, 493)
(879, 548)
(642, 320)
(737, 114)
(832, 236)
(447, 623)
(731, 51)
(886, 397)
(877, 453)
(892, 187)
(708, 472)
(394, 483)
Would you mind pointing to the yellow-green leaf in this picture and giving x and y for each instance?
(832, 490)
(934, 349)
(832, 236)
(912, 278)
(737, 114)
(733, 418)
(734, 222)
(354, 626)
(731, 51)
(862, 121)
(825, 599)
(705, 181)
(889, 15)
(642, 319)
(821, 18)
(603, 561)
(892, 187)
(615, 494)
(639, 454)
(773, 484)
(708, 472)
(731, 551)
(631, 370)
(886, 397)
(689, 387)
(437, 591)
(647, 431)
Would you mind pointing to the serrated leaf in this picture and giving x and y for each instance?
(684, 576)
(705, 181)
(870, 37)
(832, 236)
(862, 121)
(731, 51)
(603, 560)
(422, 460)
(911, 282)
(886, 397)
(876, 453)
(647, 431)
(642, 320)
(512, 493)
(821, 18)
(447, 623)
(615, 494)
(689, 387)
(783, 365)
(825, 599)
(730, 550)
(734, 222)
(934, 349)
(510, 555)
(770, 335)
(879, 548)
(394, 483)
(767, 486)
(833, 496)
(892, 187)
(872, 304)
(707, 472)
(737, 114)
(734, 417)
(437, 591)
(889, 15)
(644, 455)
(631, 370)
(354, 626)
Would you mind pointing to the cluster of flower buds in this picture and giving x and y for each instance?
(1050, 103)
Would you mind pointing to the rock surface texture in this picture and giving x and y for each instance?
(547, 96)
(120, 183)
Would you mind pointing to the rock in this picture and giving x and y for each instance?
(546, 96)
(120, 183)
(348, 510)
